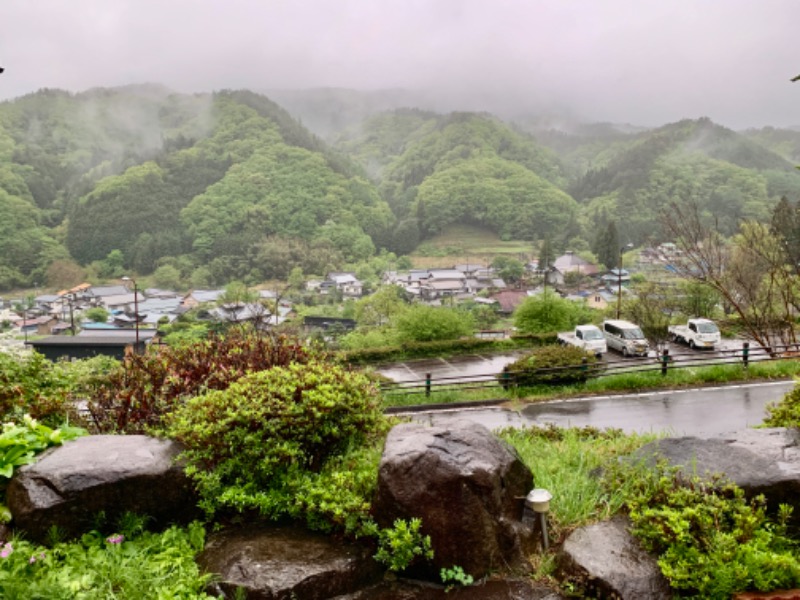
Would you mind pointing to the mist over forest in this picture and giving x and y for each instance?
(203, 189)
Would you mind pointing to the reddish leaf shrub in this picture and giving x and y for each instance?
(135, 397)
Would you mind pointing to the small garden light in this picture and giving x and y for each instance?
(538, 500)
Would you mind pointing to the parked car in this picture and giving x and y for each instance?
(625, 337)
(698, 333)
(588, 337)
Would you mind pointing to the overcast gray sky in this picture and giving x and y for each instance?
(638, 61)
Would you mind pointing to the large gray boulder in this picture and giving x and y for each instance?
(280, 563)
(606, 561)
(468, 488)
(760, 461)
(70, 485)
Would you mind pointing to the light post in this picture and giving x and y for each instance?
(538, 500)
(135, 311)
(619, 277)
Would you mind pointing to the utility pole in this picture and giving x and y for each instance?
(135, 311)
(619, 277)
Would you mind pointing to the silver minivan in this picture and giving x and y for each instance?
(625, 337)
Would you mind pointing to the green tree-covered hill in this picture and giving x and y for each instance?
(436, 170)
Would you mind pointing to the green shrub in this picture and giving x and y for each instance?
(785, 413)
(264, 443)
(549, 364)
(422, 323)
(47, 391)
(368, 339)
(550, 312)
(402, 544)
(710, 540)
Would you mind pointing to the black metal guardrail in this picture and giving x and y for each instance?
(662, 362)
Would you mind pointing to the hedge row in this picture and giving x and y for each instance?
(411, 350)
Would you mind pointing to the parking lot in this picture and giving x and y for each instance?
(473, 365)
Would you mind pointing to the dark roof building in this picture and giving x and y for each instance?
(86, 346)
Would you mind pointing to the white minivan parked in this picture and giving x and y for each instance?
(625, 337)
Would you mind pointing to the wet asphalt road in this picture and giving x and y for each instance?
(701, 412)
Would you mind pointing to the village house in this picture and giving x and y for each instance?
(347, 283)
(616, 278)
(509, 300)
(570, 262)
(443, 283)
(197, 297)
(600, 299)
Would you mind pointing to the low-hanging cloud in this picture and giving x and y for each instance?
(613, 60)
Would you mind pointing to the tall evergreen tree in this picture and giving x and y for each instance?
(607, 246)
(786, 225)
(546, 255)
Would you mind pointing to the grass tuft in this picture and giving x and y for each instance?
(564, 461)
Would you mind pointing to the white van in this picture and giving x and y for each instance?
(625, 337)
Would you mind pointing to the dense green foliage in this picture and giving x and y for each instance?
(132, 564)
(785, 413)
(32, 385)
(710, 540)
(423, 323)
(548, 312)
(266, 442)
(549, 364)
(136, 396)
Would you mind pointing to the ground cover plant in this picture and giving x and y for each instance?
(711, 542)
(20, 442)
(131, 564)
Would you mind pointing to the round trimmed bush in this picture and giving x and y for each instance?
(550, 364)
(250, 446)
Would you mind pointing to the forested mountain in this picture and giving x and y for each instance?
(634, 178)
(435, 170)
(223, 186)
(785, 142)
